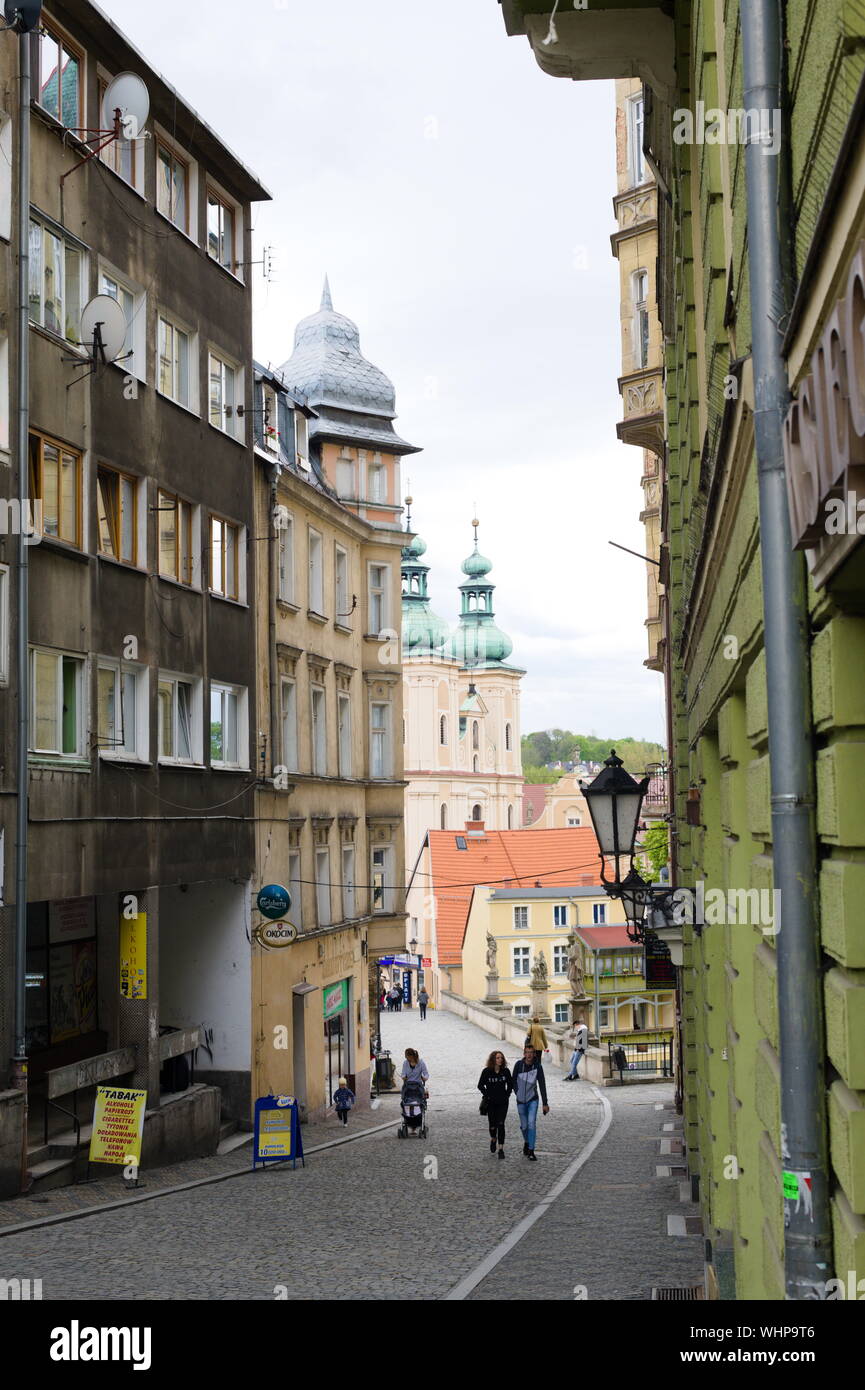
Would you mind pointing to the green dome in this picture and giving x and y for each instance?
(415, 549)
(480, 642)
(422, 631)
(476, 565)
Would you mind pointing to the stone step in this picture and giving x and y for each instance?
(52, 1172)
(234, 1141)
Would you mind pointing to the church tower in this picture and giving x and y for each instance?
(461, 700)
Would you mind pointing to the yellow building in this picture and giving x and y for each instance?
(330, 795)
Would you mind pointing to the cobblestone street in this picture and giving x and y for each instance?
(381, 1218)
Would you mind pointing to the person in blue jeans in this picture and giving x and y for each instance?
(527, 1079)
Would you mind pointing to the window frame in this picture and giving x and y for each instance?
(380, 592)
(136, 328)
(315, 571)
(136, 148)
(342, 612)
(171, 148)
(521, 955)
(5, 630)
(228, 205)
(196, 731)
(239, 532)
(318, 730)
(48, 27)
(80, 663)
(383, 870)
(285, 554)
(239, 694)
(344, 750)
(193, 582)
(36, 467)
(636, 127)
(599, 915)
(140, 750)
(322, 886)
(558, 919)
(178, 326)
(349, 884)
(288, 721)
(116, 523)
(68, 244)
(560, 953)
(521, 920)
(381, 737)
(232, 425)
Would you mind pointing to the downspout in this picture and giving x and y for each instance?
(19, 1062)
(272, 540)
(807, 1225)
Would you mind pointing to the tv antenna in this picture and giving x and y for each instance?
(124, 111)
(103, 332)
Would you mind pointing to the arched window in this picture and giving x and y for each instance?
(443, 730)
(508, 737)
(444, 817)
(476, 743)
(476, 812)
(475, 764)
(510, 818)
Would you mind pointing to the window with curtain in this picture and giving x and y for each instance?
(56, 703)
(179, 728)
(57, 282)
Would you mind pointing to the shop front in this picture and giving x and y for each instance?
(338, 1060)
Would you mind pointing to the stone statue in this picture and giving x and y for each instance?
(576, 974)
(540, 975)
(492, 950)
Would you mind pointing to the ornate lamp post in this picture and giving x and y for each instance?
(614, 800)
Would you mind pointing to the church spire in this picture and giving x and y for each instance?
(478, 641)
(326, 301)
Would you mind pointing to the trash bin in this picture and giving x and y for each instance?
(384, 1070)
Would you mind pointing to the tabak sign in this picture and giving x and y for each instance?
(824, 431)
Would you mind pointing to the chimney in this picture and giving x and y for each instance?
(475, 825)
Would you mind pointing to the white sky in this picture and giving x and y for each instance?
(459, 199)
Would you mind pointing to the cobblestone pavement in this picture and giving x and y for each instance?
(383, 1218)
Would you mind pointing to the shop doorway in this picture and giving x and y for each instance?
(337, 1036)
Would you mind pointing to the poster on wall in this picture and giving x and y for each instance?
(72, 982)
(133, 956)
(71, 919)
(335, 998)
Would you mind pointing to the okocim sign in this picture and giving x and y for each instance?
(824, 434)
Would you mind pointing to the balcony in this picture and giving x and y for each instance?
(642, 395)
(634, 39)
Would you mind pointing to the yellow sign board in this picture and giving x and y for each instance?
(274, 1133)
(118, 1124)
(133, 956)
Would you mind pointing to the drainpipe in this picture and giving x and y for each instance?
(807, 1226)
(19, 1062)
(272, 591)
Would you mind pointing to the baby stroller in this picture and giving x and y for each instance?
(413, 1107)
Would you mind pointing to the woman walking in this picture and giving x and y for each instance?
(495, 1085)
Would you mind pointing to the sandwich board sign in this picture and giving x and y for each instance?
(277, 1132)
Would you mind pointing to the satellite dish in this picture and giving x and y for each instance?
(129, 93)
(103, 325)
(22, 15)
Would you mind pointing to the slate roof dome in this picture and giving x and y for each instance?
(328, 367)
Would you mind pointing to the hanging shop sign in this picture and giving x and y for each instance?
(118, 1125)
(335, 998)
(273, 901)
(275, 934)
(658, 969)
(133, 956)
(277, 1135)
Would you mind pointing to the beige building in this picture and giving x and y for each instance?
(330, 802)
(556, 806)
(635, 246)
(462, 708)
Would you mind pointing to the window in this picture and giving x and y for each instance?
(508, 738)
(521, 1010)
(599, 914)
(179, 705)
(461, 842)
(475, 734)
(379, 752)
(225, 552)
(343, 603)
(228, 742)
(221, 231)
(345, 477)
(477, 813)
(377, 477)
(603, 1016)
(301, 440)
(289, 725)
(61, 85)
(605, 965)
(322, 886)
(476, 767)
(521, 918)
(122, 710)
(560, 915)
(378, 606)
(443, 816)
(510, 817)
(58, 280)
(285, 548)
(5, 176)
(224, 396)
(4, 624)
(640, 291)
(344, 717)
(269, 419)
(117, 515)
(319, 733)
(382, 880)
(573, 818)
(295, 887)
(172, 186)
(349, 908)
(55, 480)
(132, 303)
(175, 380)
(561, 1013)
(175, 538)
(443, 730)
(560, 960)
(521, 960)
(636, 165)
(316, 573)
(57, 703)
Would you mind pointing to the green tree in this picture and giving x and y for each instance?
(655, 850)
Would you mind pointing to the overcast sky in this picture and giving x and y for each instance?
(460, 201)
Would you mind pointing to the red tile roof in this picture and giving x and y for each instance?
(604, 938)
(534, 798)
(501, 859)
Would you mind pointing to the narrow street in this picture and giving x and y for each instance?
(382, 1218)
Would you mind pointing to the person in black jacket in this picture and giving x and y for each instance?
(495, 1085)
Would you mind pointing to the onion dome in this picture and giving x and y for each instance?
(478, 641)
(423, 632)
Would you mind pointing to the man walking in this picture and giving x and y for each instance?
(580, 1036)
(422, 1000)
(528, 1079)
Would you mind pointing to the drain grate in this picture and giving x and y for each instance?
(679, 1295)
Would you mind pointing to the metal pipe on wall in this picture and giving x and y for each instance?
(807, 1224)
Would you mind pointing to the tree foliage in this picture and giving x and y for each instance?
(560, 745)
(655, 851)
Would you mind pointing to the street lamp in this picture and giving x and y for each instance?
(633, 894)
(614, 800)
